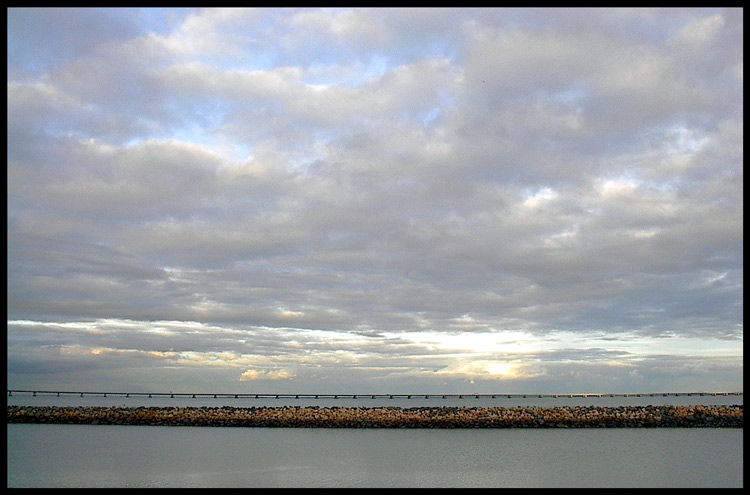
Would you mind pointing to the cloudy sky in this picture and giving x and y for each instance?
(375, 201)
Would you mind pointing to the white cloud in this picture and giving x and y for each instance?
(700, 31)
(254, 375)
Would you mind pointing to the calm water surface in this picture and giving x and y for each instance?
(143, 456)
(147, 456)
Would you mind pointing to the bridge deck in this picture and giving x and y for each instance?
(351, 396)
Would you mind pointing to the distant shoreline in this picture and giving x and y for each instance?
(699, 416)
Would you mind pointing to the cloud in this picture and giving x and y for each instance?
(254, 375)
(701, 31)
(331, 177)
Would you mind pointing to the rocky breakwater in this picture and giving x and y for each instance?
(390, 417)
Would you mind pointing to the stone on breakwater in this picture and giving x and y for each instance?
(390, 417)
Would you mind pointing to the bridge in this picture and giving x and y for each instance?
(174, 395)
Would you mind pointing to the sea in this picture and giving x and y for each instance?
(107, 456)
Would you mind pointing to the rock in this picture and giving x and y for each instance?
(392, 417)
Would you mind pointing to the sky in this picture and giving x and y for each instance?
(427, 200)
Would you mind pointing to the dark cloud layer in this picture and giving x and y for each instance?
(538, 200)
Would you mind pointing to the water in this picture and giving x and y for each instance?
(184, 457)
(42, 399)
(141, 456)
